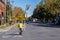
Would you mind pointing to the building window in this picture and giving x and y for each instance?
(0, 22)
(2, 15)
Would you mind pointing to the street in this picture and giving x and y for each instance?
(32, 31)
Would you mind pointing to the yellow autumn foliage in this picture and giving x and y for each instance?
(18, 13)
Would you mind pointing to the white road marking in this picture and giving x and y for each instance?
(6, 36)
(17, 36)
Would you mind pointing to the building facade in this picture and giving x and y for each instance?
(2, 12)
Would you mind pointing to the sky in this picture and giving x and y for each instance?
(23, 3)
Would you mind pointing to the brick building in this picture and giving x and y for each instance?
(2, 12)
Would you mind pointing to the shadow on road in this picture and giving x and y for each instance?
(13, 34)
(47, 25)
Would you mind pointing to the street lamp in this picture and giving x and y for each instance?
(27, 7)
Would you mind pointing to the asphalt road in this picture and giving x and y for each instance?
(32, 31)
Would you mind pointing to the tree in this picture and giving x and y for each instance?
(8, 11)
(18, 14)
(47, 10)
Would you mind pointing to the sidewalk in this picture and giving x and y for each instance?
(8, 28)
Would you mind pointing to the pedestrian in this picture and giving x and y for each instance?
(20, 25)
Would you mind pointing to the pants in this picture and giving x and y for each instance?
(20, 31)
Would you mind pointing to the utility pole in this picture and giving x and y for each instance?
(11, 14)
(12, 2)
(6, 1)
(26, 10)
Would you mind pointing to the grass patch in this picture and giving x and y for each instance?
(4, 26)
